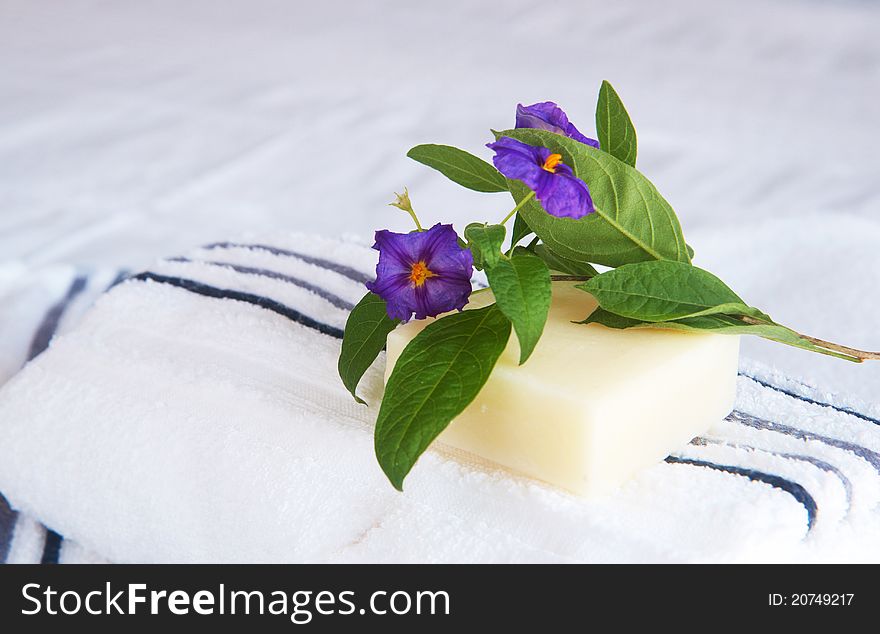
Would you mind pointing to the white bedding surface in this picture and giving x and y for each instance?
(131, 130)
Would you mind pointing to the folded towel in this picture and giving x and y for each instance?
(195, 415)
(34, 306)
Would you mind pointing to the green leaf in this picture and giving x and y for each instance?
(720, 324)
(632, 221)
(603, 317)
(462, 167)
(520, 230)
(437, 375)
(521, 286)
(690, 250)
(617, 135)
(664, 291)
(564, 265)
(485, 242)
(366, 330)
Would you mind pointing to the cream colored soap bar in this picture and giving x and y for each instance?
(593, 405)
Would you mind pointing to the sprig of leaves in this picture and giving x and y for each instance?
(652, 283)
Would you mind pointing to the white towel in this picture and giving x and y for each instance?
(34, 306)
(195, 415)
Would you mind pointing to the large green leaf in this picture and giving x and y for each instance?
(721, 324)
(632, 221)
(521, 286)
(437, 375)
(462, 167)
(663, 291)
(366, 330)
(617, 135)
(485, 242)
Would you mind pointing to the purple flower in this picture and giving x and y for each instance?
(562, 194)
(424, 272)
(548, 116)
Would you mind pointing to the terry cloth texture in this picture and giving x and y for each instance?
(194, 414)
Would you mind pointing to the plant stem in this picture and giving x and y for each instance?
(518, 207)
(415, 218)
(859, 355)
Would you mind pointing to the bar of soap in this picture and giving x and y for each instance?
(592, 405)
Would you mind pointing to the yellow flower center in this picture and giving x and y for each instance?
(419, 273)
(552, 161)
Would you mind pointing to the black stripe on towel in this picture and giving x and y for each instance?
(51, 547)
(121, 276)
(274, 275)
(39, 343)
(794, 489)
(342, 269)
(869, 456)
(827, 467)
(50, 322)
(257, 300)
(807, 399)
(8, 518)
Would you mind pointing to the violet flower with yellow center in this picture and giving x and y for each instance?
(546, 115)
(560, 192)
(425, 273)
